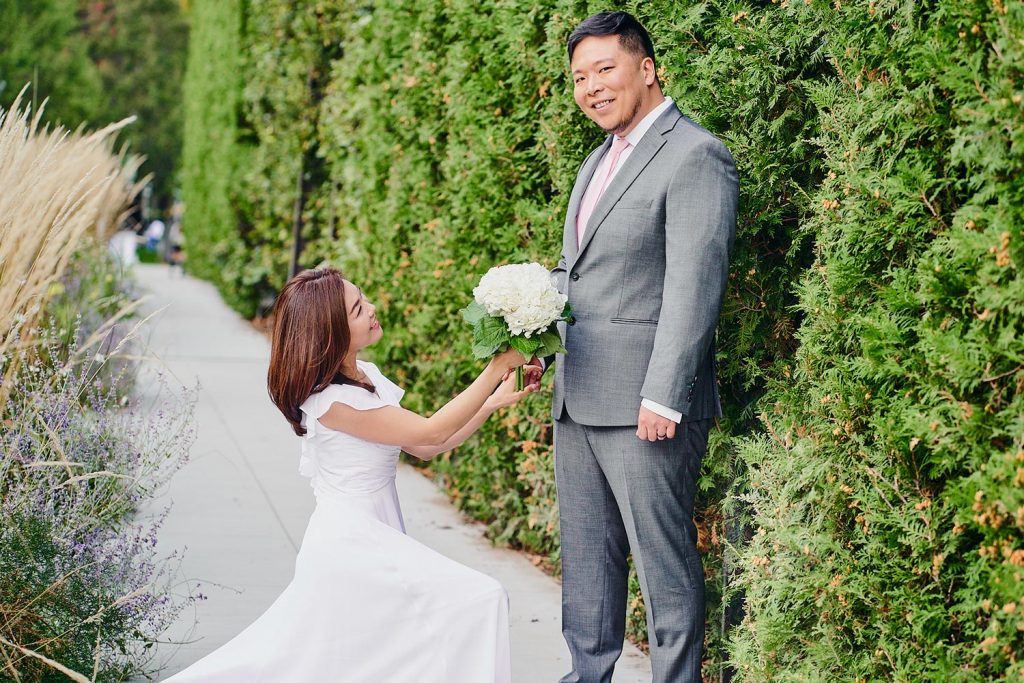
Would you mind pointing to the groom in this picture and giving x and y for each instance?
(645, 259)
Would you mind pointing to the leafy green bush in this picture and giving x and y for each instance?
(888, 491)
(211, 154)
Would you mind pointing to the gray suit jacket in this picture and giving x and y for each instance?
(647, 282)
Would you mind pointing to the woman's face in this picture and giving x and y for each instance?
(362, 318)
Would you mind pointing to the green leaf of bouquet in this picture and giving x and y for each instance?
(482, 351)
(550, 343)
(491, 330)
(527, 347)
(567, 311)
(473, 313)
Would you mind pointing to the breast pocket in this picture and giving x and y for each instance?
(633, 205)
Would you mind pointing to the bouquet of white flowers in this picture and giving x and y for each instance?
(517, 305)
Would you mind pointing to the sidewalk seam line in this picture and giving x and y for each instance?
(252, 471)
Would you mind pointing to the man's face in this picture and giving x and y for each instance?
(610, 84)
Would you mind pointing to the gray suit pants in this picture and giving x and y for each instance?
(619, 494)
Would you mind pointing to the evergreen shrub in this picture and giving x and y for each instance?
(211, 153)
(887, 491)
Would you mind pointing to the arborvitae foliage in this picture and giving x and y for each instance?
(888, 493)
(285, 61)
(211, 152)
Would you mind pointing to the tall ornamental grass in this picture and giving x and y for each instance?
(59, 188)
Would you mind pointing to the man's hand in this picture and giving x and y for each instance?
(654, 427)
(532, 372)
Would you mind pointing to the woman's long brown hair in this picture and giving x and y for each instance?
(311, 339)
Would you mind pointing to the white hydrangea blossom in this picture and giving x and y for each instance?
(524, 294)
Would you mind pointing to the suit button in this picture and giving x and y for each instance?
(575, 277)
(571, 320)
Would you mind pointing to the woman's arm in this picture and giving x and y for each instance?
(397, 426)
(506, 395)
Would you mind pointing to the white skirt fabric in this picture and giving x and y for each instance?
(368, 604)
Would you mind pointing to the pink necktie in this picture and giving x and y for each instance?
(590, 199)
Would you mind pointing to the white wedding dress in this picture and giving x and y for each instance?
(368, 604)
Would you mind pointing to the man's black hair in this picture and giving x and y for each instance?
(633, 37)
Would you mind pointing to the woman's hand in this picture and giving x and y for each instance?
(506, 395)
(509, 359)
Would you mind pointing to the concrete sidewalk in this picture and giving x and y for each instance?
(240, 507)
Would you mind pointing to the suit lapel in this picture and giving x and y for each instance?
(652, 141)
(569, 241)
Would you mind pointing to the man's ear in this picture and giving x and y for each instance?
(647, 66)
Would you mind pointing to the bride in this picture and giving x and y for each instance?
(367, 603)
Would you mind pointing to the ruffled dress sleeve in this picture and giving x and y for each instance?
(351, 395)
(319, 403)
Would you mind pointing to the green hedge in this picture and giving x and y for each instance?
(436, 139)
(211, 153)
(888, 492)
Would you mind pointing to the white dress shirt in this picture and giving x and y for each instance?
(633, 138)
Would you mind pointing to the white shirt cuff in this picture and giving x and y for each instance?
(664, 411)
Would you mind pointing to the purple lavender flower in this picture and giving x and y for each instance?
(80, 578)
